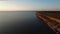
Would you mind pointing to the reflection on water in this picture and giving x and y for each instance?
(22, 22)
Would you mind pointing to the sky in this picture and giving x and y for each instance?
(12, 5)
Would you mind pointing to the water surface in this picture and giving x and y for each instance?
(22, 22)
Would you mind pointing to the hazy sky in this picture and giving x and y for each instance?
(11, 5)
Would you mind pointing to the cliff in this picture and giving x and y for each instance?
(52, 18)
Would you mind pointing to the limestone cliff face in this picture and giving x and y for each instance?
(52, 18)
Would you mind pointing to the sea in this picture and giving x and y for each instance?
(22, 22)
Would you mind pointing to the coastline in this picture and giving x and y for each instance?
(47, 17)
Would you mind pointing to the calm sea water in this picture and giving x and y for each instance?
(22, 22)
